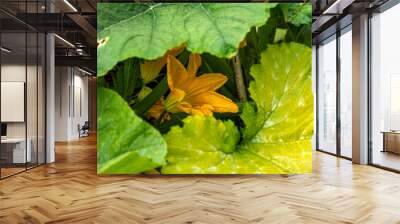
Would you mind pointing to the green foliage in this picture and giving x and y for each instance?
(110, 14)
(272, 132)
(212, 64)
(151, 98)
(201, 146)
(297, 14)
(126, 80)
(126, 143)
(298, 18)
(283, 94)
(287, 23)
(175, 120)
(254, 119)
(279, 34)
(151, 30)
(145, 91)
(276, 137)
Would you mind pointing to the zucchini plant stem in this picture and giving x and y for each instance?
(240, 87)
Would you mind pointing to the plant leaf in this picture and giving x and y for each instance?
(151, 30)
(277, 137)
(252, 118)
(126, 143)
(126, 79)
(113, 14)
(298, 14)
(197, 148)
(155, 95)
(283, 95)
(279, 34)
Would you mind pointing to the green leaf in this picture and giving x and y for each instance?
(126, 79)
(283, 93)
(113, 15)
(213, 64)
(252, 118)
(175, 119)
(298, 14)
(279, 34)
(150, 30)
(201, 146)
(276, 137)
(144, 105)
(126, 143)
(300, 34)
(145, 91)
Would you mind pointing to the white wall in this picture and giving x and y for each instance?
(80, 110)
(62, 81)
(71, 102)
(14, 72)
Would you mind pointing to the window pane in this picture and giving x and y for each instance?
(327, 96)
(15, 150)
(346, 93)
(31, 100)
(386, 89)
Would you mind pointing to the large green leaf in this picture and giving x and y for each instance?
(126, 143)
(297, 14)
(110, 14)
(277, 136)
(201, 146)
(282, 90)
(126, 79)
(148, 31)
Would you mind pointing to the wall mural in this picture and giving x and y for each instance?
(202, 88)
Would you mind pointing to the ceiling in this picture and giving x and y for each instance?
(332, 15)
(74, 22)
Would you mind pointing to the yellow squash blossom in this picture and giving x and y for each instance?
(149, 70)
(156, 110)
(195, 95)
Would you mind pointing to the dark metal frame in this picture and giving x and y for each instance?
(44, 70)
(369, 90)
(338, 98)
(316, 97)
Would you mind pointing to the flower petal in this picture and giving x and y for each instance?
(205, 83)
(199, 110)
(173, 100)
(149, 70)
(177, 74)
(176, 50)
(194, 64)
(185, 107)
(206, 109)
(219, 102)
(156, 110)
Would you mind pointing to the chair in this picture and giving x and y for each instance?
(84, 130)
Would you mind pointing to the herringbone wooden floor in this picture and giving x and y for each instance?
(69, 191)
